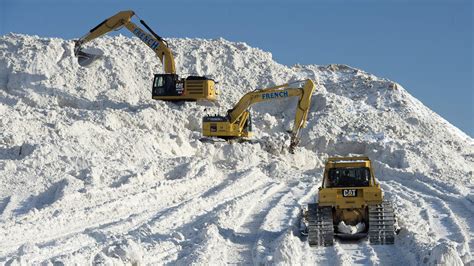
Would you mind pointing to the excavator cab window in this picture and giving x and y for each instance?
(348, 177)
(165, 85)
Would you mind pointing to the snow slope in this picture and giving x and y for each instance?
(92, 170)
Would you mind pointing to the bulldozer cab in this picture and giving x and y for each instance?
(167, 85)
(348, 177)
(348, 172)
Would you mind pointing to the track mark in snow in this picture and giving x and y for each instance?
(245, 237)
(344, 255)
(225, 183)
(361, 252)
(103, 212)
(436, 217)
(443, 222)
(181, 226)
(440, 222)
(395, 254)
(193, 228)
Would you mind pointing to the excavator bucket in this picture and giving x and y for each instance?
(86, 59)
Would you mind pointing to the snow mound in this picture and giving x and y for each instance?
(93, 169)
(444, 254)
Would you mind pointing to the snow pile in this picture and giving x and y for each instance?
(444, 254)
(93, 170)
(350, 229)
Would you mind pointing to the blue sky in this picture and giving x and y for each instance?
(426, 46)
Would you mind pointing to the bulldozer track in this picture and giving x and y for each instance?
(381, 224)
(320, 226)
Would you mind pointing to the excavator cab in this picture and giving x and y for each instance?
(171, 87)
(166, 85)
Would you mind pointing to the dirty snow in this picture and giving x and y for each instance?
(92, 170)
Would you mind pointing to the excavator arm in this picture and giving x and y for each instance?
(123, 19)
(301, 116)
(237, 117)
(281, 91)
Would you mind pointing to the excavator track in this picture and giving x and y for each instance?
(381, 224)
(320, 225)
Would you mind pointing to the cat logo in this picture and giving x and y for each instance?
(349, 192)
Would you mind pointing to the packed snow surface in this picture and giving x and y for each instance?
(92, 170)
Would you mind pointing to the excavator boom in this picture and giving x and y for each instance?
(301, 116)
(117, 21)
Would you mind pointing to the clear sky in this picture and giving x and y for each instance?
(426, 46)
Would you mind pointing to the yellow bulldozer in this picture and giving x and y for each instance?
(238, 123)
(168, 86)
(350, 205)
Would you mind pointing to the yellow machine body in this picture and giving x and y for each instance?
(216, 126)
(238, 124)
(350, 205)
(193, 90)
(349, 202)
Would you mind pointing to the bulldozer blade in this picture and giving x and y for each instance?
(351, 236)
(86, 59)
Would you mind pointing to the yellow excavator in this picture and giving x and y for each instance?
(238, 123)
(168, 86)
